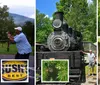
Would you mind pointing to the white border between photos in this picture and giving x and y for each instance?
(35, 45)
(97, 37)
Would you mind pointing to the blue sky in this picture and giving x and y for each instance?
(48, 7)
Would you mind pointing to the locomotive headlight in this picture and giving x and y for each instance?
(58, 42)
(57, 23)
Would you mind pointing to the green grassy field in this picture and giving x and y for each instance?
(12, 49)
(87, 69)
(99, 50)
(98, 39)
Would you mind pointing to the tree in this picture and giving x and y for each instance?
(91, 26)
(6, 22)
(99, 17)
(43, 27)
(80, 16)
(28, 29)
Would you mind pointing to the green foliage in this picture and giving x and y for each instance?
(99, 48)
(6, 22)
(43, 27)
(80, 16)
(3, 49)
(55, 70)
(63, 70)
(28, 29)
(45, 71)
(99, 17)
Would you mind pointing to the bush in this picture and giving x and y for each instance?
(56, 70)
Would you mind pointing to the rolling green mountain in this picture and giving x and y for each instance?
(19, 19)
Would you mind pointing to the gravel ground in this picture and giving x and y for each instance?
(90, 80)
(99, 75)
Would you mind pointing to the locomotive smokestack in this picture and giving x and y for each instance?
(58, 21)
(59, 15)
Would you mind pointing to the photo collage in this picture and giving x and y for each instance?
(50, 42)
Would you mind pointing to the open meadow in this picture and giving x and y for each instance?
(3, 48)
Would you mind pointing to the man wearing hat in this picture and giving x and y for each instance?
(22, 44)
(92, 60)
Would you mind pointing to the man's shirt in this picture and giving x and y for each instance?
(91, 57)
(22, 44)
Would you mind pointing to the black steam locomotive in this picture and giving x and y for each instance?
(63, 43)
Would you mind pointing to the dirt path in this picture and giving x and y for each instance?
(90, 80)
(99, 75)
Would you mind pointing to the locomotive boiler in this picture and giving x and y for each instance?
(63, 38)
(63, 43)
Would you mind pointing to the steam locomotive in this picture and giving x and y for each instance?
(63, 43)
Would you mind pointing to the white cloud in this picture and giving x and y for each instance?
(23, 10)
(32, 16)
(51, 18)
(89, 1)
(46, 16)
(22, 7)
(18, 2)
